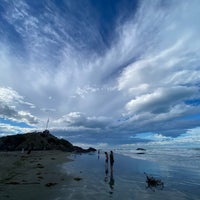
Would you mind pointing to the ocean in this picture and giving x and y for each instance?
(177, 168)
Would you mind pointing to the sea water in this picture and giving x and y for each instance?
(178, 170)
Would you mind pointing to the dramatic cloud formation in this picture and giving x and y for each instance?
(102, 72)
(9, 99)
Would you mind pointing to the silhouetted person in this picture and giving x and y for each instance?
(106, 159)
(111, 161)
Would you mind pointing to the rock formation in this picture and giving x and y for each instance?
(38, 141)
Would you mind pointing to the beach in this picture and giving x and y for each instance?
(56, 175)
(34, 176)
(128, 181)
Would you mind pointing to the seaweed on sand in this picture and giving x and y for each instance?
(153, 183)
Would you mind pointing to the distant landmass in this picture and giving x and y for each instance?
(38, 141)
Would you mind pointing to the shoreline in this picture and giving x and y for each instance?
(50, 175)
(33, 176)
(128, 179)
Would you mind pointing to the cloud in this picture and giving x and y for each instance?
(20, 116)
(134, 77)
(9, 96)
(7, 129)
(190, 137)
(166, 46)
(152, 137)
(77, 119)
(161, 100)
(10, 102)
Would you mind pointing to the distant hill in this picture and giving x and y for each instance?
(38, 141)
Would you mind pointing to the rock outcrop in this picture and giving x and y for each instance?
(140, 149)
(38, 141)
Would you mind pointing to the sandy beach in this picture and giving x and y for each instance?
(35, 176)
(50, 175)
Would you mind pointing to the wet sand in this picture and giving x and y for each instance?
(49, 175)
(128, 181)
(38, 175)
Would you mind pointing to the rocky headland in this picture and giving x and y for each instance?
(36, 141)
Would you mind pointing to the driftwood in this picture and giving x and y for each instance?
(21, 183)
(153, 183)
(77, 179)
(50, 184)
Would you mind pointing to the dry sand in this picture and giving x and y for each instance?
(35, 176)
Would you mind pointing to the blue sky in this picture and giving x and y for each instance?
(103, 71)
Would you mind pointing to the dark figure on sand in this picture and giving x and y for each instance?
(106, 154)
(111, 160)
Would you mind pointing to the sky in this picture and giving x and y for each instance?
(106, 72)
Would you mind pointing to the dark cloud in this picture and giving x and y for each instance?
(7, 111)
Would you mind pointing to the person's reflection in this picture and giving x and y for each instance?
(111, 182)
(98, 154)
(106, 167)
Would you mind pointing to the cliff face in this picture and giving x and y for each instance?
(38, 141)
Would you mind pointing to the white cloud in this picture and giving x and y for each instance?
(7, 129)
(10, 102)
(80, 120)
(161, 100)
(65, 72)
(152, 137)
(188, 139)
(8, 96)
(191, 136)
(165, 54)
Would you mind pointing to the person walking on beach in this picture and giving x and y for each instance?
(106, 154)
(111, 160)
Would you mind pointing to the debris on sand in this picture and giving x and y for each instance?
(50, 184)
(153, 183)
(77, 179)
